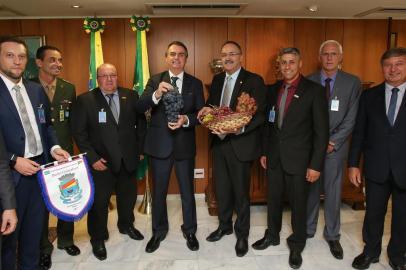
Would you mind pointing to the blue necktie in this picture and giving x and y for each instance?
(392, 106)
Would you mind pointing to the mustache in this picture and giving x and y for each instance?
(228, 62)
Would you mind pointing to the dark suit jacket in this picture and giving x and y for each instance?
(64, 99)
(160, 141)
(302, 141)
(347, 89)
(12, 128)
(246, 145)
(111, 141)
(383, 146)
(7, 196)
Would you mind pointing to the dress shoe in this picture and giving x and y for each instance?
(363, 261)
(295, 259)
(132, 232)
(266, 241)
(241, 247)
(218, 234)
(191, 241)
(45, 261)
(336, 249)
(397, 266)
(99, 250)
(71, 250)
(153, 243)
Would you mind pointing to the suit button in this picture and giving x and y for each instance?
(52, 108)
(52, 120)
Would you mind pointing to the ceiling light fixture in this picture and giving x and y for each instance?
(76, 6)
(313, 8)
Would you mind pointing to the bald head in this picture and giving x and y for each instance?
(107, 78)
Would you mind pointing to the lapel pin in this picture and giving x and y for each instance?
(295, 96)
(240, 82)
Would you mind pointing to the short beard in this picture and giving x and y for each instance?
(12, 75)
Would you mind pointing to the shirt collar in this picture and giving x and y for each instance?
(235, 74)
(295, 83)
(44, 84)
(401, 87)
(180, 75)
(324, 76)
(10, 84)
(105, 94)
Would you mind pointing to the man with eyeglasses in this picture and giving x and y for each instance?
(342, 93)
(62, 96)
(107, 127)
(172, 144)
(234, 151)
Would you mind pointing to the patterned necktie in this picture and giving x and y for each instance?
(282, 105)
(227, 92)
(392, 106)
(174, 79)
(328, 87)
(29, 131)
(113, 106)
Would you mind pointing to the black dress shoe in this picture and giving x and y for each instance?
(132, 232)
(71, 250)
(336, 249)
(266, 241)
(295, 259)
(153, 243)
(241, 247)
(191, 241)
(99, 250)
(397, 266)
(218, 234)
(45, 261)
(363, 261)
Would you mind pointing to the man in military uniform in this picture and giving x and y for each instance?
(61, 95)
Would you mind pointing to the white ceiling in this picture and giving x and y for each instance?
(251, 8)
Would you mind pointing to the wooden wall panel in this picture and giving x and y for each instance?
(264, 39)
(236, 30)
(10, 27)
(364, 42)
(334, 30)
(30, 27)
(399, 26)
(309, 34)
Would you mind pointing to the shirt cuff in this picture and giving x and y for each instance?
(154, 99)
(187, 122)
(241, 131)
(54, 147)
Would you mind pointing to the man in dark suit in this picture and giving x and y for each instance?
(62, 96)
(30, 141)
(294, 146)
(8, 215)
(234, 151)
(379, 135)
(172, 144)
(342, 91)
(107, 127)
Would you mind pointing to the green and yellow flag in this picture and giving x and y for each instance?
(141, 72)
(94, 27)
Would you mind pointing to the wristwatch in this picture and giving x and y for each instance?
(13, 161)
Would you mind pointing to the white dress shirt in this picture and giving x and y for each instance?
(388, 94)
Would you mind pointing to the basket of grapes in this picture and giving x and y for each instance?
(226, 119)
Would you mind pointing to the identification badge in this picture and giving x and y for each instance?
(335, 103)
(61, 114)
(67, 113)
(271, 117)
(102, 116)
(41, 115)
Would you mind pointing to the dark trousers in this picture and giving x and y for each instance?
(30, 214)
(125, 187)
(232, 186)
(161, 171)
(297, 188)
(64, 231)
(377, 196)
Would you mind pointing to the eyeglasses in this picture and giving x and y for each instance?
(107, 76)
(231, 54)
(329, 54)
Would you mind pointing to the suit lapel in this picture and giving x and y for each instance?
(59, 93)
(35, 102)
(186, 84)
(237, 88)
(337, 85)
(217, 89)
(381, 105)
(296, 97)
(401, 112)
(8, 100)
(122, 95)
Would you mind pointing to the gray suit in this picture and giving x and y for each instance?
(346, 90)
(7, 198)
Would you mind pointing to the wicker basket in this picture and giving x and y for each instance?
(230, 122)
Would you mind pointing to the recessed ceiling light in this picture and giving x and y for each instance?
(313, 8)
(76, 6)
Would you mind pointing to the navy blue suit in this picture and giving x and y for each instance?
(30, 206)
(172, 147)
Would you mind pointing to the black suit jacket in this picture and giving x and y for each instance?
(302, 140)
(383, 146)
(111, 141)
(246, 145)
(7, 196)
(160, 141)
